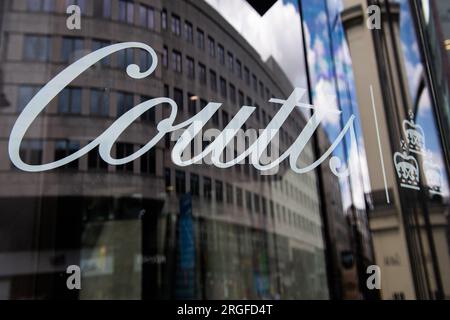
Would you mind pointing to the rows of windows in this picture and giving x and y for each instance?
(218, 83)
(177, 66)
(223, 192)
(38, 48)
(215, 50)
(50, 5)
(130, 12)
(219, 119)
(32, 150)
(70, 101)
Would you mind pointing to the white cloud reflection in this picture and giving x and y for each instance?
(276, 34)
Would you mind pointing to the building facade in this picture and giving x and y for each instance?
(410, 230)
(149, 229)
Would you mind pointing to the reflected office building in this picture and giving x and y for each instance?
(406, 64)
(150, 229)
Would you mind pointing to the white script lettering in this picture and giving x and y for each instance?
(191, 127)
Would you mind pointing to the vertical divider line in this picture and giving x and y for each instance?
(379, 145)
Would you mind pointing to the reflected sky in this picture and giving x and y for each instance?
(414, 70)
(331, 75)
(276, 34)
(410, 48)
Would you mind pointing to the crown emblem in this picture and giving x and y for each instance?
(433, 176)
(415, 136)
(407, 169)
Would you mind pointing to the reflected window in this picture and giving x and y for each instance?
(229, 193)
(164, 19)
(250, 103)
(126, 11)
(248, 200)
(239, 68)
(166, 90)
(213, 80)
(195, 185)
(178, 98)
(203, 103)
(241, 98)
(180, 182)
(41, 5)
(37, 48)
(232, 93)
(71, 48)
(165, 57)
(225, 119)
(149, 115)
(207, 188)
(177, 63)
(223, 87)
(145, 60)
(125, 58)
(102, 9)
(146, 17)
(99, 103)
(256, 203)
(192, 103)
(125, 101)
(247, 76)
(81, 3)
(124, 150)
(190, 68)
(215, 119)
(31, 151)
(148, 162)
(64, 148)
(239, 197)
(95, 161)
(230, 61)
(70, 101)
(221, 54)
(98, 44)
(202, 73)
(168, 178)
(26, 93)
(176, 25)
(261, 89)
(200, 39)
(219, 191)
(212, 47)
(188, 32)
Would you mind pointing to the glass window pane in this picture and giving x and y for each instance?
(75, 101)
(26, 93)
(373, 170)
(64, 101)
